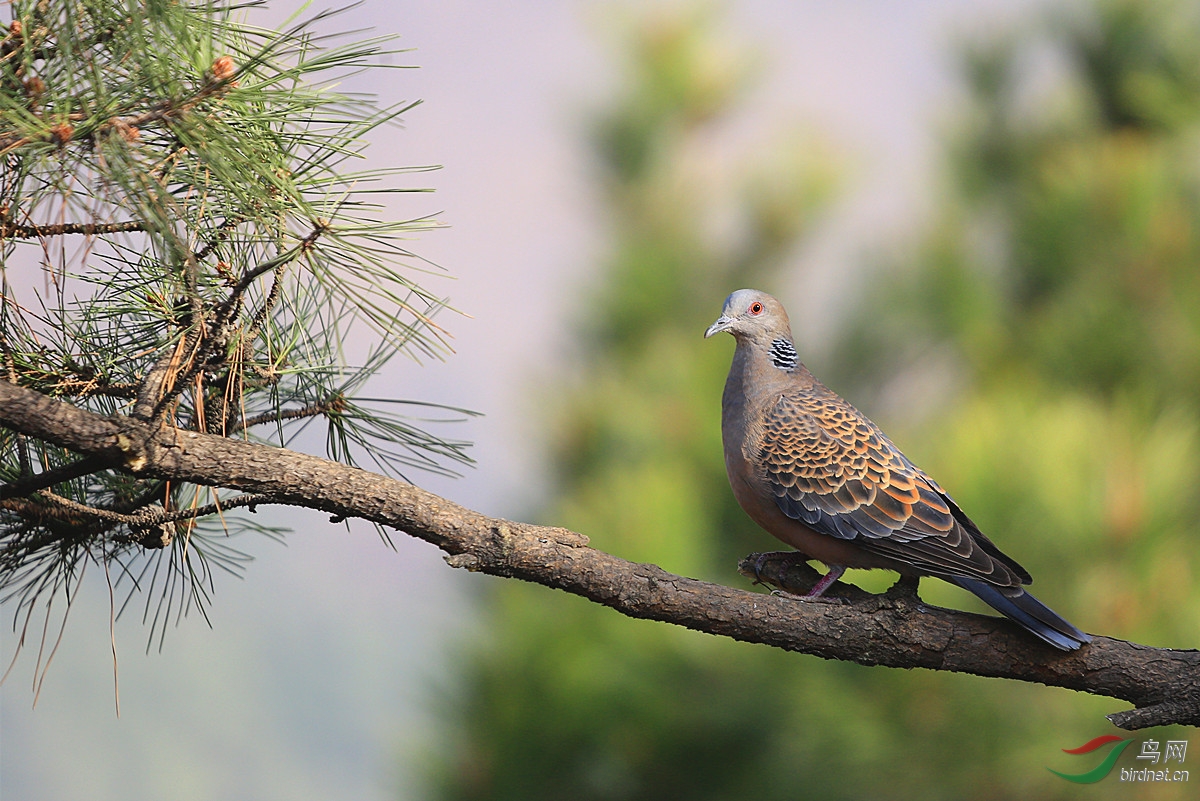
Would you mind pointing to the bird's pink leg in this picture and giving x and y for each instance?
(835, 573)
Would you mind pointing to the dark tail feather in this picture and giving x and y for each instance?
(1029, 612)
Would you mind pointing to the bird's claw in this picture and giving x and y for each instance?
(758, 566)
(821, 599)
(788, 558)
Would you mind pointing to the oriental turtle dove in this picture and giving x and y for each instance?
(816, 473)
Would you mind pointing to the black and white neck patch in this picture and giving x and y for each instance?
(783, 354)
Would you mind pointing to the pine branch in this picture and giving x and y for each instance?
(13, 231)
(71, 130)
(162, 377)
(212, 160)
(165, 381)
(150, 515)
(27, 485)
(890, 630)
(65, 383)
(223, 233)
(260, 316)
(315, 410)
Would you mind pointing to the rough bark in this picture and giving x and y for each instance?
(895, 629)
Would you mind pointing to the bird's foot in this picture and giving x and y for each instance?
(790, 573)
(787, 559)
(809, 597)
(817, 593)
(835, 573)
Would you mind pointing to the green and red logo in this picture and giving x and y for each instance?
(1156, 758)
(1104, 768)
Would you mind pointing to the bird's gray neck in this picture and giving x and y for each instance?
(760, 373)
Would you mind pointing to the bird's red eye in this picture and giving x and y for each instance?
(756, 308)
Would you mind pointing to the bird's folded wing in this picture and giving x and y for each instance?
(831, 468)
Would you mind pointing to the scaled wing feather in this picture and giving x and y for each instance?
(831, 468)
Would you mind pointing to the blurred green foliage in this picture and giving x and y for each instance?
(1051, 322)
(1061, 286)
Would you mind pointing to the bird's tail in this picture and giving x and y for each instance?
(1029, 612)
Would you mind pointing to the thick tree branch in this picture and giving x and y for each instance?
(894, 629)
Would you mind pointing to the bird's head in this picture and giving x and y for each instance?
(752, 315)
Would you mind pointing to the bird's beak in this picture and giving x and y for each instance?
(723, 323)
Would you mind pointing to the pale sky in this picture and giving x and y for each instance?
(313, 681)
